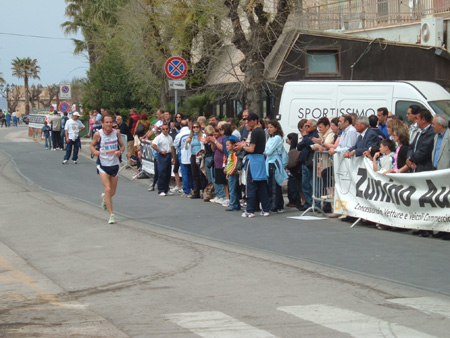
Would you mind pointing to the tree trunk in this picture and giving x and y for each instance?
(253, 85)
(27, 98)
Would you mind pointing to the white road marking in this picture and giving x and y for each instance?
(353, 323)
(215, 324)
(428, 305)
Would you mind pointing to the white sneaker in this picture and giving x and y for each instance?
(169, 193)
(103, 204)
(220, 200)
(225, 202)
(64, 162)
(213, 200)
(75, 162)
(265, 214)
(175, 189)
(247, 214)
(162, 194)
(151, 188)
(112, 220)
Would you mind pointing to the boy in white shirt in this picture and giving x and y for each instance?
(384, 160)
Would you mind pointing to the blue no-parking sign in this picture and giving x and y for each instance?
(64, 107)
(175, 67)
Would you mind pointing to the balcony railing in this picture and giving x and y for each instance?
(349, 15)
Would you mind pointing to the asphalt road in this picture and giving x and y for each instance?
(398, 257)
(65, 271)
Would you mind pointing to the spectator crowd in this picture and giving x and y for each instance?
(244, 168)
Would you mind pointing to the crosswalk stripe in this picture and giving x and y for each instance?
(353, 323)
(216, 324)
(428, 305)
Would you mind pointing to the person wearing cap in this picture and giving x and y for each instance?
(72, 129)
(256, 167)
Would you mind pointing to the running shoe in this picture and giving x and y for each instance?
(265, 214)
(64, 162)
(169, 193)
(103, 202)
(248, 214)
(112, 220)
(75, 162)
(162, 194)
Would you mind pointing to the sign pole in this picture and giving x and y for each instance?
(176, 102)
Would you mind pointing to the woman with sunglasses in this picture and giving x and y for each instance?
(178, 119)
(195, 140)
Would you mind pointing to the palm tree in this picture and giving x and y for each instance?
(90, 18)
(26, 68)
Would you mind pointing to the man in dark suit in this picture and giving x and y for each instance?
(367, 138)
(421, 148)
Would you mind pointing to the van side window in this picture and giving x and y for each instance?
(401, 107)
(323, 62)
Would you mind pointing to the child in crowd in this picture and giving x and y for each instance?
(387, 160)
(46, 132)
(233, 177)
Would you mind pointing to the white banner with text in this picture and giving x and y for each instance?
(412, 200)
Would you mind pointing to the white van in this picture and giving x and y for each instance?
(316, 99)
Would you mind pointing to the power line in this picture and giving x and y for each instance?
(34, 36)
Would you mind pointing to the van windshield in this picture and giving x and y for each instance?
(441, 107)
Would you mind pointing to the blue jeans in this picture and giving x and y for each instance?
(48, 141)
(256, 188)
(209, 171)
(164, 170)
(234, 189)
(76, 146)
(274, 190)
(307, 185)
(187, 178)
(294, 188)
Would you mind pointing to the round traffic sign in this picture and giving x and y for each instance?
(175, 67)
(64, 107)
(65, 89)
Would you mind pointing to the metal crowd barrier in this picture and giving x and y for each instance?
(323, 182)
(125, 142)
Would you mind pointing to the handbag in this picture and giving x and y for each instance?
(208, 192)
(240, 159)
(137, 141)
(284, 157)
(140, 130)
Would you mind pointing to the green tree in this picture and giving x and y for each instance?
(26, 69)
(151, 31)
(257, 41)
(108, 83)
(92, 19)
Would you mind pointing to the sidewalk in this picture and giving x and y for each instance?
(30, 303)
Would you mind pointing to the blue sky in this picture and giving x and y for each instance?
(38, 18)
